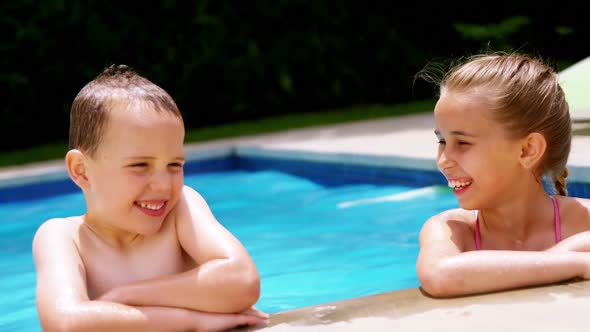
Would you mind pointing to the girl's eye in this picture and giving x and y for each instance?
(176, 165)
(441, 141)
(464, 143)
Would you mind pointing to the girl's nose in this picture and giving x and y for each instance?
(443, 161)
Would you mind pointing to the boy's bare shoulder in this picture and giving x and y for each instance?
(190, 202)
(62, 228)
(190, 193)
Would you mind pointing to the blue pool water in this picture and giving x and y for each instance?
(312, 243)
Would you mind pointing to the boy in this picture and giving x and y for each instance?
(148, 254)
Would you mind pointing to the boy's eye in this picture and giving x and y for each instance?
(463, 143)
(441, 141)
(176, 165)
(138, 165)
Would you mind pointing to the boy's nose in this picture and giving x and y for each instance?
(161, 182)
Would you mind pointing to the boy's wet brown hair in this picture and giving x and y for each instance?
(117, 83)
(526, 97)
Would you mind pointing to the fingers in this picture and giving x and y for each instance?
(223, 322)
(257, 313)
(246, 319)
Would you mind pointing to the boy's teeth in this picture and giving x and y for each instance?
(151, 206)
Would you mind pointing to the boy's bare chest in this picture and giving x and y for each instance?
(107, 268)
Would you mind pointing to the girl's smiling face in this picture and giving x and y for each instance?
(475, 153)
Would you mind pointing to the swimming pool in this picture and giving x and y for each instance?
(330, 235)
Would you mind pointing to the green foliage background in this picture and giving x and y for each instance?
(229, 61)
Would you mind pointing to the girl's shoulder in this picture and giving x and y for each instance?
(458, 222)
(449, 229)
(462, 216)
(582, 201)
(575, 213)
(573, 204)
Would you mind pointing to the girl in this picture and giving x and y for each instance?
(503, 126)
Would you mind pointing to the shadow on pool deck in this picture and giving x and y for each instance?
(561, 307)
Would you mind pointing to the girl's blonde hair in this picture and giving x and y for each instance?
(526, 97)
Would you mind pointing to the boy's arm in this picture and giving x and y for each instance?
(63, 303)
(445, 269)
(226, 279)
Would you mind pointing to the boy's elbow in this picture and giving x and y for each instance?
(248, 290)
(66, 327)
(59, 323)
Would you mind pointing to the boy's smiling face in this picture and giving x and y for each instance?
(136, 176)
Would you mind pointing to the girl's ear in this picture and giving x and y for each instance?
(532, 150)
(76, 165)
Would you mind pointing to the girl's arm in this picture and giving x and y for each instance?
(576, 212)
(578, 242)
(445, 267)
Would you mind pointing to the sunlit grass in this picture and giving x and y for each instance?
(244, 128)
(303, 120)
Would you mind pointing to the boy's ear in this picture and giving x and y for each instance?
(75, 163)
(532, 150)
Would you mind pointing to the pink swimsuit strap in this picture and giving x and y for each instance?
(556, 217)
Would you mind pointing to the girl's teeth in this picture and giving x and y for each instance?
(458, 184)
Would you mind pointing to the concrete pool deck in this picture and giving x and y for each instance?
(406, 142)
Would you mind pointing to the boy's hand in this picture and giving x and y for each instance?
(116, 296)
(210, 322)
(255, 312)
(206, 321)
(112, 296)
